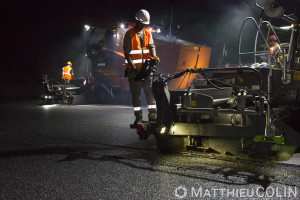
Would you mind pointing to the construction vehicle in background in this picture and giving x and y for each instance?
(249, 111)
(108, 64)
(58, 93)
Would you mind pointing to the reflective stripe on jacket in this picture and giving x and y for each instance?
(275, 49)
(272, 50)
(138, 54)
(66, 73)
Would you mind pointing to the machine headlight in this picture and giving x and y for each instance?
(163, 130)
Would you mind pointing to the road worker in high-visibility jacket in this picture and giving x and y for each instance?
(275, 50)
(67, 73)
(138, 46)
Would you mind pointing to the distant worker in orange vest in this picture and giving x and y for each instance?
(67, 73)
(273, 42)
(275, 50)
(138, 46)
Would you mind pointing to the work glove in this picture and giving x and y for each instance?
(157, 59)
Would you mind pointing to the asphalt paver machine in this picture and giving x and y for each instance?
(248, 111)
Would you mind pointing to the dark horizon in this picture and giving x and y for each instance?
(41, 36)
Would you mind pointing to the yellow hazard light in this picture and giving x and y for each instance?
(240, 79)
(193, 103)
(297, 76)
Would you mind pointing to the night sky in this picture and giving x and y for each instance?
(40, 36)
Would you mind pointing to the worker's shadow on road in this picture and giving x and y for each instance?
(69, 151)
(159, 163)
(154, 162)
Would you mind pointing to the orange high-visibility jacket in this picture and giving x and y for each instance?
(275, 49)
(138, 54)
(66, 72)
(272, 50)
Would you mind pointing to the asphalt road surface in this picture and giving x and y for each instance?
(89, 152)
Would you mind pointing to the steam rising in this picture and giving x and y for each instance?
(72, 49)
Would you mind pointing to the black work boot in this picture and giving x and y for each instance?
(138, 118)
(152, 115)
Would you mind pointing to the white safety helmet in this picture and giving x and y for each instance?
(143, 16)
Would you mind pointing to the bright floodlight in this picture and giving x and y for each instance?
(286, 27)
(150, 29)
(122, 26)
(163, 130)
(87, 27)
(158, 30)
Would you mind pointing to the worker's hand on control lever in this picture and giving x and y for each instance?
(157, 59)
(190, 70)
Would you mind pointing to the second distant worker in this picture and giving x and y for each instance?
(67, 73)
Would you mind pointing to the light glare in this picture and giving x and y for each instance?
(163, 130)
(87, 27)
(46, 107)
(286, 27)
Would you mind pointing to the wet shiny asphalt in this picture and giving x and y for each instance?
(89, 152)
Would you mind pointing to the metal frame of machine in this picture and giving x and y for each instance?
(242, 111)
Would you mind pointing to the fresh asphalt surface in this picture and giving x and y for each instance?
(89, 152)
